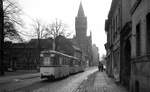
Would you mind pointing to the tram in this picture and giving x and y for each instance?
(55, 64)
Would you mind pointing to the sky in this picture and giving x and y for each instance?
(66, 11)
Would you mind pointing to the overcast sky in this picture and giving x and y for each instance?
(66, 10)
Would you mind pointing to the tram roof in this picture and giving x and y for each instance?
(59, 53)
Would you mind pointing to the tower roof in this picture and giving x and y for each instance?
(81, 11)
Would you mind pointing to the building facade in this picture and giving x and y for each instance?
(113, 28)
(125, 43)
(24, 56)
(140, 46)
(95, 52)
(83, 41)
(119, 25)
(133, 29)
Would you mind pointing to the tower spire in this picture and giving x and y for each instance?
(81, 11)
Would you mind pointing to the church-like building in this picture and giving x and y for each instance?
(81, 39)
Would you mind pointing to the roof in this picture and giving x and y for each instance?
(59, 53)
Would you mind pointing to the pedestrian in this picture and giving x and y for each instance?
(100, 66)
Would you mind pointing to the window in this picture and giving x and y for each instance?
(119, 18)
(60, 60)
(46, 61)
(116, 23)
(138, 41)
(148, 33)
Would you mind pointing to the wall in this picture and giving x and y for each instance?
(140, 73)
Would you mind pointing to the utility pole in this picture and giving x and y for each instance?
(1, 38)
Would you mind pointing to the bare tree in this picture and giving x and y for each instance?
(12, 19)
(8, 16)
(39, 33)
(55, 29)
(39, 29)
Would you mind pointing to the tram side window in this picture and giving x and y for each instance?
(80, 62)
(71, 62)
(60, 60)
(74, 62)
(56, 60)
(66, 61)
(77, 62)
(63, 60)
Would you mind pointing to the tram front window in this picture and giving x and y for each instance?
(47, 61)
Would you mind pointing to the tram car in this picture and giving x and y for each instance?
(55, 64)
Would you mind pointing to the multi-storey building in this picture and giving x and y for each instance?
(140, 46)
(113, 29)
(134, 34)
(95, 55)
(118, 46)
(83, 41)
(125, 43)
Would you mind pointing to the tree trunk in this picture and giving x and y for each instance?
(1, 38)
(54, 45)
(39, 51)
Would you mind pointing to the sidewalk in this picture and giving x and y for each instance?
(99, 82)
(18, 75)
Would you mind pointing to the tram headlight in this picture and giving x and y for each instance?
(41, 55)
